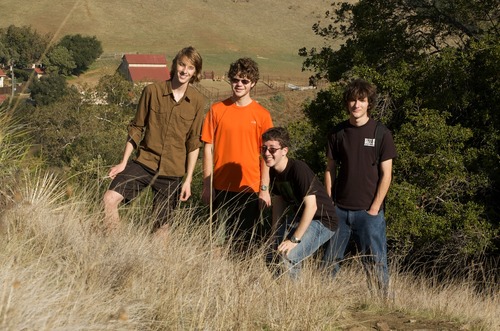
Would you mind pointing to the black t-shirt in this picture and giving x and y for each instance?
(298, 181)
(358, 176)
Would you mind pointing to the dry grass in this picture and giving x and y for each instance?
(222, 30)
(59, 272)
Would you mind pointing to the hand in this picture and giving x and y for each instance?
(264, 199)
(185, 191)
(116, 170)
(286, 246)
(372, 211)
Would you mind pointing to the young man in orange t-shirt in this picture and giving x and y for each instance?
(235, 177)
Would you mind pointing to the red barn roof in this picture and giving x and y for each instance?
(145, 59)
(148, 74)
(144, 67)
(2, 74)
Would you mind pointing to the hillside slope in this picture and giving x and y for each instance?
(222, 30)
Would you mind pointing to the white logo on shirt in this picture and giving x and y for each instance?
(370, 142)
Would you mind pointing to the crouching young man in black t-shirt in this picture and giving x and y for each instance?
(303, 213)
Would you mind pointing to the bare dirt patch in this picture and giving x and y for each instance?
(398, 321)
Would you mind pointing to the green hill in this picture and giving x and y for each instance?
(222, 30)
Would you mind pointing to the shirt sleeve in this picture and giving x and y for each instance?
(138, 124)
(388, 148)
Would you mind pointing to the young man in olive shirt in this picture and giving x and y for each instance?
(166, 133)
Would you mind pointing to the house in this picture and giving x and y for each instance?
(35, 70)
(39, 72)
(3, 75)
(144, 68)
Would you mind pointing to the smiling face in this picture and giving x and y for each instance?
(241, 86)
(185, 70)
(274, 155)
(358, 109)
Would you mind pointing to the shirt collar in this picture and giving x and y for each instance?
(167, 89)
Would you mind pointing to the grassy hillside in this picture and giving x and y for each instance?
(223, 30)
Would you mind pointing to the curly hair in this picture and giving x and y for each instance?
(245, 68)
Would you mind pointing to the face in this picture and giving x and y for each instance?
(185, 70)
(358, 108)
(241, 86)
(274, 155)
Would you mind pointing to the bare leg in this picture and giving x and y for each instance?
(111, 202)
(162, 232)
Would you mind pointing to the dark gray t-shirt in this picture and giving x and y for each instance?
(298, 181)
(358, 175)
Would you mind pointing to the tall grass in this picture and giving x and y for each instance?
(59, 271)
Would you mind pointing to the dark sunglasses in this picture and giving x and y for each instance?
(243, 81)
(271, 150)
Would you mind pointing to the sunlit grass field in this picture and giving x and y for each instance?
(60, 271)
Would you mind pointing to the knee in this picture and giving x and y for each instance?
(112, 199)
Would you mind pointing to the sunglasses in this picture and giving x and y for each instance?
(243, 81)
(271, 150)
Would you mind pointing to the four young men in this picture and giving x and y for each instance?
(245, 158)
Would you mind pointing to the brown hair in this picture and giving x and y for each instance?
(278, 134)
(192, 54)
(245, 68)
(360, 89)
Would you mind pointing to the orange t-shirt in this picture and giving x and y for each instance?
(236, 135)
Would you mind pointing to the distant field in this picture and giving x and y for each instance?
(267, 30)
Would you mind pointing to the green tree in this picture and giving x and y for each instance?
(85, 50)
(435, 63)
(77, 135)
(22, 46)
(115, 89)
(59, 61)
(48, 89)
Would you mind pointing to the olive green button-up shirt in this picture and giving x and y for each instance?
(164, 130)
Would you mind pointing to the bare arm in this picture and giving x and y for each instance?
(264, 196)
(192, 157)
(383, 186)
(330, 175)
(310, 208)
(129, 148)
(208, 164)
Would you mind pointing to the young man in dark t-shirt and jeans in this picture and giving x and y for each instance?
(358, 181)
(302, 212)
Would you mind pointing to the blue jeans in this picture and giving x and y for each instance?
(315, 236)
(369, 234)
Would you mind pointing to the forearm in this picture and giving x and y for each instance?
(330, 172)
(383, 186)
(307, 216)
(192, 157)
(264, 173)
(208, 161)
(129, 148)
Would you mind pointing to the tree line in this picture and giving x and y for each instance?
(436, 65)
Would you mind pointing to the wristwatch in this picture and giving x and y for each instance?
(264, 187)
(295, 240)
